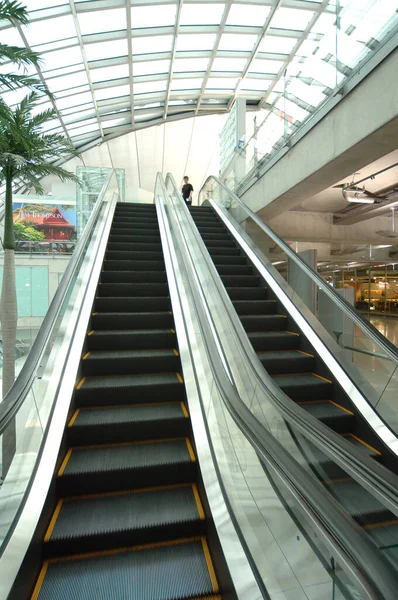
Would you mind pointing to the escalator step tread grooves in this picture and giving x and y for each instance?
(109, 513)
(126, 486)
(172, 572)
(129, 414)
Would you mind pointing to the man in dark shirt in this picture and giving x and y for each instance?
(187, 190)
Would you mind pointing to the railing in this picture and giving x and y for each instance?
(321, 513)
(347, 334)
(27, 408)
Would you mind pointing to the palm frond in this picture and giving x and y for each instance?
(12, 81)
(22, 57)
(31, 181)
(13, 10)
(45, 169)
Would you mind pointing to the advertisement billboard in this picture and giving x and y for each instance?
(44, 228)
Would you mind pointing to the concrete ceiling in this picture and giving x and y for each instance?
(330, 200)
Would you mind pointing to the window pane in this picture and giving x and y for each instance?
(113, 92)
(247, 14)
(151, 67)
(186, 84)
(39, 291)
(255, 84)
(277, 45)
(153, 43)
(61, 58)
(265, 66)
(150, 86)
(109, 73)
(150, 16)
(201, 14)
(197, 41)
(50, 30)
(24, 291)
(232, 41)
(67, 82)
(103, 20)
(102, 50)
(229, 64)
(228, 83)
(291, 18)
(190, 64)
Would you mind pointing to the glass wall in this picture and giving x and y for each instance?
(375, 286)
(308, 68)
(32, 290)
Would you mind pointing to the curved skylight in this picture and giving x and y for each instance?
(119, 65)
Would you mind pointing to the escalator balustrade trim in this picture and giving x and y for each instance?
(129, 522)
(295, 367)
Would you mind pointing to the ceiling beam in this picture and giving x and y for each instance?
(254, 53)
(43, 81)
(214, 53)
(293, 53)
(173, 54)
(130, 58)
(83, 51)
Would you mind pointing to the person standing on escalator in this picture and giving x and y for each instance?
(187, 190)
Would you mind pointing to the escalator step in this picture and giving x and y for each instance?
(224, 244)
(235, 270)
(223, 237)
(247, 293)
(304, 386)
(97, 469)
(216, 251)
(269, 340)
(117, 362)
(137, 239)
(134, 257)
(131, 304)
(264, 322)
(139, 248)
(123, 263)
(255, 307)
(133, 339)
(119, 520)
(127, 423)
(213, 228)
(129, 389)
(134, 230)
(119, 320)
(285, 361)
(123, 221)
(229, 260)
(359, 503)
(169, 571)
(133, 277)
(333, 415)
(240, 280)
(139, 260)
(141, 289)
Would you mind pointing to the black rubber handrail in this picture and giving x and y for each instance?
(374, 575)
(18, 392)
(376, 478)
(390, 349)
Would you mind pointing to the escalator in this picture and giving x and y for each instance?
(296, 368)
(129, 521)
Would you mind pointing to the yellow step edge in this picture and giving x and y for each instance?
(179, 377)
(365, 444)
(91, 332)
(190, 449)
(86, 356)
(322, 378)
(53, 520)
(74, 417)
(381, 524)
(305, 353)
(209, 563)
(341, 407)
(64, 463)
(292, 333)
(198, 502)
(79, 385)
(184, 410)
(176, 352)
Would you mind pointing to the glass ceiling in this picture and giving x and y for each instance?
(118, 65)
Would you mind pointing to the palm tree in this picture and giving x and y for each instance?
(25, 154)
(14, 12)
